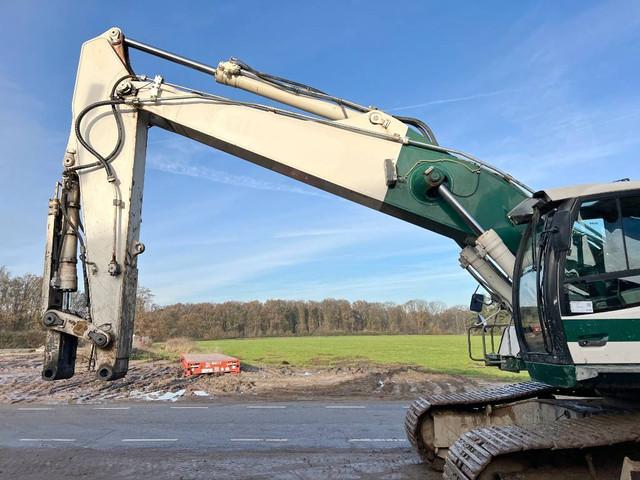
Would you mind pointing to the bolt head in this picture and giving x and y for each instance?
(115, 34)
(69, 160)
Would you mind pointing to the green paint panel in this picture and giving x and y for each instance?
(486, 196)
(618, 330)
(557, 375)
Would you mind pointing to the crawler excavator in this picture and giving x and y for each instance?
(561, 265)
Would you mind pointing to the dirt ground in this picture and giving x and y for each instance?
(20, 382)
(281, 464)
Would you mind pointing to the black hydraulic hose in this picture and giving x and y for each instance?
(102, 161)
(303, 89)
(276, 79)
(297, 87)
(420, 125)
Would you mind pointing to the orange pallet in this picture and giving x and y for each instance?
(216, 363)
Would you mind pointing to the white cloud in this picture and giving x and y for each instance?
(195, 280)
(178, 159)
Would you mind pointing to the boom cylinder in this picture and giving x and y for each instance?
(492, 245)
(469, 258)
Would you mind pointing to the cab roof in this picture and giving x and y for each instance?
(556, 194)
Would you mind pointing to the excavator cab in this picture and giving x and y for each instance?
(576, 298)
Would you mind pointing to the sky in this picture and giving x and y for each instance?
(547, 91)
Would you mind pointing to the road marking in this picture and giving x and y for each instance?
(345, 406)
(377, 440)
(33, 409)
(266, 406)
(111, 408)
(255, 440)
(47, 439)
(149, 439)
(185, 408)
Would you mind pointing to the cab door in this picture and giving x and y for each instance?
(538, 323)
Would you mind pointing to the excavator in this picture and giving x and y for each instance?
(560, 268)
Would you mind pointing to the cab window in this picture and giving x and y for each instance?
(597, 243)
(528, 293)
(602, 269)
(630, 207)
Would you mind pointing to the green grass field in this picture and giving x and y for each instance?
(439, 353)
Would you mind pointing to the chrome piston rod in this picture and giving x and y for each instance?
(172, 57)
(460, 210)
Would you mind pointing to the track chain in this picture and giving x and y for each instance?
(470, 455)
(467, 400)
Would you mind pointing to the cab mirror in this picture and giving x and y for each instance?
(561, 231)
(477, 302)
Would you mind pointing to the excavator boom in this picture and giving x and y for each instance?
(359, 153)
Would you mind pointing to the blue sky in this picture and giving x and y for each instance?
(545, 90)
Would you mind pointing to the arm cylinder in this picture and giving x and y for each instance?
(229, 73)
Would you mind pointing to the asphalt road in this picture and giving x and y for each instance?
(305, 440)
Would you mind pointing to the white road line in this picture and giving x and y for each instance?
(266, 406)
(256, 440)
(47, 439)
(33, 409)
(111, 408)
(344, 406)
(149, 439)
(186, 408)
(377, 440)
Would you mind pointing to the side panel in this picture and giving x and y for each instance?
(620, 329)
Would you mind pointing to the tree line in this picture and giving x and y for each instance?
(20, 310)
(20, 316)
(299, 317)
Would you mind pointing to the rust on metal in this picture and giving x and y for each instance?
(80, 327)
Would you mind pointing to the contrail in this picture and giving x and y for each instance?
(453, 100)
(177, 168)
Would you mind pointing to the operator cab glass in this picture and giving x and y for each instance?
(529, 279)
(602, 269)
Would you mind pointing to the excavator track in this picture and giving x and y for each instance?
(421, 409)
(496, 452)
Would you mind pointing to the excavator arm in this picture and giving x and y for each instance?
(391, 164)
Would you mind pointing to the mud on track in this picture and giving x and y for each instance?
(20, 382)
